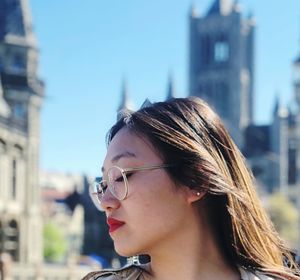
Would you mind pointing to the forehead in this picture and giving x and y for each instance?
(129, 145)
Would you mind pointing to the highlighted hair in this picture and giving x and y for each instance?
(187, 132)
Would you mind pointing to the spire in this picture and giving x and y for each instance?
(279, 109)
(276, 105)
(15, 22)
(193, 11)
(171, 88)
(251, 18)
(4, 108)
(125, 104)
(220, 7)
(297, 60)
(236, 6)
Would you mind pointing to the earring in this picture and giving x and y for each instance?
(198, 193)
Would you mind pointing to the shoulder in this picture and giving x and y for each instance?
(131, 272)
(256, 275)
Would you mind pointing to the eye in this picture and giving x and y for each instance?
(119, 179)
(102, 186)
(129, 174)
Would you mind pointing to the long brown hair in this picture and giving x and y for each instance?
(187, 132)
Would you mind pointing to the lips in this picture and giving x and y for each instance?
(114, 224)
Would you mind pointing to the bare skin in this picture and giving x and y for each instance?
(160, 219)
(190, 257)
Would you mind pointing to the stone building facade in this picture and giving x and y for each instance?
(222, 72)
(221, 63)
(21, 96)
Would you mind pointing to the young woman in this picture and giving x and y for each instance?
(175, 187)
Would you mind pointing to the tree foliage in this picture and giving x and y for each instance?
(285, 217)
(55, 244)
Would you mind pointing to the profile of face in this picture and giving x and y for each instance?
(154, 211)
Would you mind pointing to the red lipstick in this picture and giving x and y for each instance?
(114, 224)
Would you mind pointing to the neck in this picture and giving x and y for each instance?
(191, 254)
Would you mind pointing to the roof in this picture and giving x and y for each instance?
(220, 7)
(15, 21)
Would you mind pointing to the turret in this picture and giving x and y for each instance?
(4, 108)
(125, 103)
(170, 89)
(220, 7)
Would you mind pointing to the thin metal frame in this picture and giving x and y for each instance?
(123, 171)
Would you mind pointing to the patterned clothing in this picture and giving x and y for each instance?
(134, 272)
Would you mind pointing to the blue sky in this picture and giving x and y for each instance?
(87, 47)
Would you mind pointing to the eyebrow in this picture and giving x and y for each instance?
(117, 157)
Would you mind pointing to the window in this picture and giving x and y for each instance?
(19, 111)
(221, 51)
(2, 147)
(18, 64)
(1, 238)
(14, 179)
(11, 242)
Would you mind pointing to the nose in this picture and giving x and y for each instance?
(109, 202)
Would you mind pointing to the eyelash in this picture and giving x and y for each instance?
(104, 186)
(120, 179)
(128, 175)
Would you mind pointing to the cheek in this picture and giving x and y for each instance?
(158, 202)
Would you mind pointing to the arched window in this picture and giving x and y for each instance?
(18, 150)
(14, 179)
(2, 172)
(11, 239)
(221, 49)
(1, 238)
(2, 147)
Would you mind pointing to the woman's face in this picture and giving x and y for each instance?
(154, 211)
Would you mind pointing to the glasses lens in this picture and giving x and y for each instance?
(116, 182)
(96, 193)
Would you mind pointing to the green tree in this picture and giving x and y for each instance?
(285, 217)
(55, 245)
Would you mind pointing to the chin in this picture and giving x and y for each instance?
(126, 251)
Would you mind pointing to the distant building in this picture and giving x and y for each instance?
(125, 104)
(95, 240)
(266, 150)
(21, 96)
(221, 63)
(273, 151)
(221, 71)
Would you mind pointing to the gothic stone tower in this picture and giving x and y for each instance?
(21, 94)
(294, 141)
(221, 63)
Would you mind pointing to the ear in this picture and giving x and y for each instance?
(194, 195)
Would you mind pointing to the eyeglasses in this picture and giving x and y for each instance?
(117, 182)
